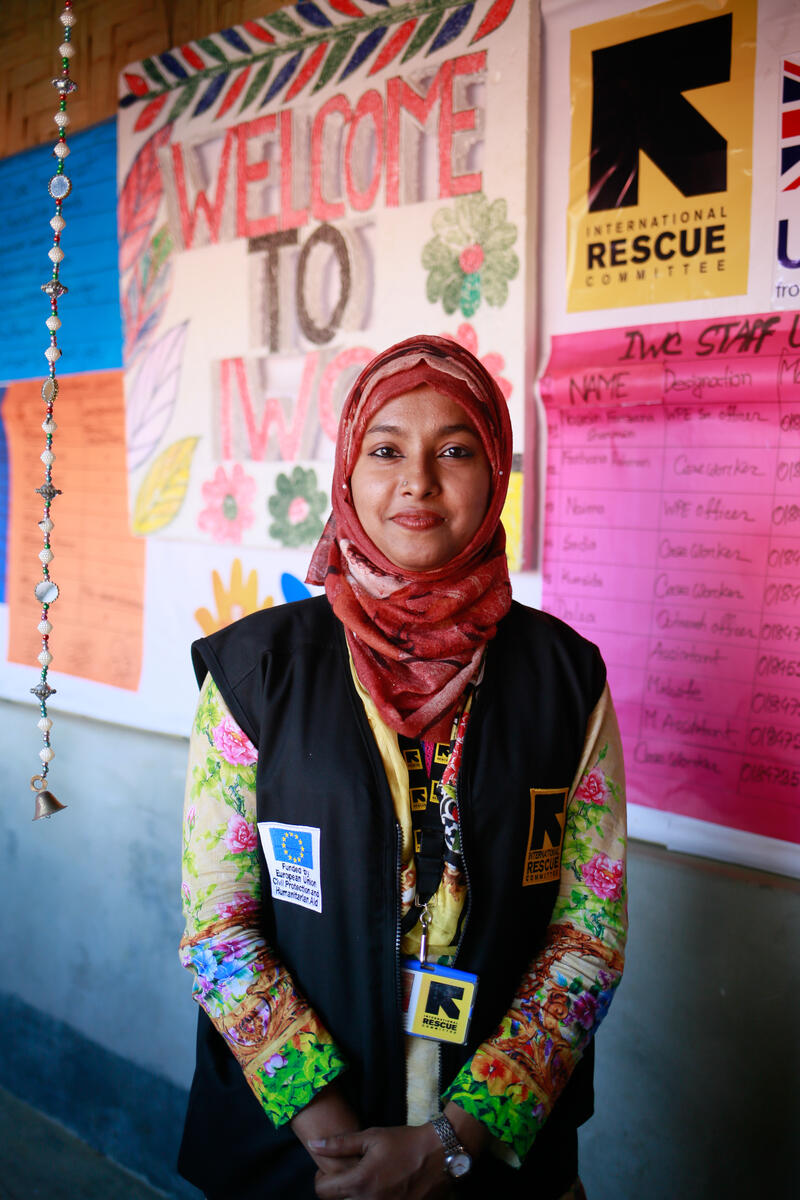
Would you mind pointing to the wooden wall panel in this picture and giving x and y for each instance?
(107, 35)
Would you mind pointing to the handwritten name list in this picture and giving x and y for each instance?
(672, 539)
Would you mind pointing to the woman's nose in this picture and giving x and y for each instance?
(419, 477)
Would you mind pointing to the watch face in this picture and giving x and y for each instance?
(458, 1164)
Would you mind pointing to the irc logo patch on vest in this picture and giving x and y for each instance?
(293, 862)
(545, 836)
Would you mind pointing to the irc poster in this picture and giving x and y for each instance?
(661, 155)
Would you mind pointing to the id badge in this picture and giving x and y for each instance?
(437, 1001)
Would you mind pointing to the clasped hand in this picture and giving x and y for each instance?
(398, 1163)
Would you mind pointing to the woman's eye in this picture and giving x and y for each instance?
(384, 452)
(457, 452)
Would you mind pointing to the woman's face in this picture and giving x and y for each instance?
(420, 485)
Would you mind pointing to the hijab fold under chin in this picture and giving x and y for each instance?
(417, 638)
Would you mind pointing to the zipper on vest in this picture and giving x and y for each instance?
(463, 863)
(469, 898)
(398, 862)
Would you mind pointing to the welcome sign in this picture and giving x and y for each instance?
(295, 194)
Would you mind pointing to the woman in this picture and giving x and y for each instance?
(436, 776)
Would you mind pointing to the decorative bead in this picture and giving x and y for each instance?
(53, 289)
(61, 150)
(45, 724)
(45, 628)
(45, 658)
(55, 254)
(47, 754)
(64, 85)
(48, 493)
(53, 323)
(66, 50)
(47, 457)
(67, 19)
(46, 555)
(49, 426)
(61, 119)
(60, 187)
(46, 525)
(43, 691)
(57, 223)
(52, 354)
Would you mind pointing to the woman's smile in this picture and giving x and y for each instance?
(417, 518)
(420, 485)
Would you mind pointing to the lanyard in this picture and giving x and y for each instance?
(426, 765)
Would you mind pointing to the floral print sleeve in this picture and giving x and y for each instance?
(284, 1051)
(514, 1078)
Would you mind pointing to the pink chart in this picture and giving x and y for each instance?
(672, 540)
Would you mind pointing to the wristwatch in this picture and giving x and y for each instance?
(457, 1162)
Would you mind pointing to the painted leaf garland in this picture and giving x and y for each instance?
(455, 23)
(307, 71)
(150, 112)
(310, 40)
(235, 39)
(137, 85)
(210, 94)
(334, 60)
(363, 50)
(212, 49)
(493, 19)
(172, 64)
(139, 200)
(164, 488)
(259, 79)
(234, 91)
(282, 78)
(393, 47)
(151, 399)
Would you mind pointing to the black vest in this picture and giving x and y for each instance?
(285, 676)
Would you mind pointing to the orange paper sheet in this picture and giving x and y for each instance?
(98, 564)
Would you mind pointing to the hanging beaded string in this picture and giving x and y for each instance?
(46, 591)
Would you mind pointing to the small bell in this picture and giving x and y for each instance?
(46, 803)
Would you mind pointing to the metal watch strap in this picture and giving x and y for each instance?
(446, 1134)
(452, 1146)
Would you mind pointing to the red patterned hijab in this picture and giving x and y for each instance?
(417, 637)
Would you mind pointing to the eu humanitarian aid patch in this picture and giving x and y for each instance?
(293, 861)
(546, 835)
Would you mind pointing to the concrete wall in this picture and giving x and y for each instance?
(697, 1061)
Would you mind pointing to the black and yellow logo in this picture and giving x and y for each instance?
(545, 836)
(661, 160)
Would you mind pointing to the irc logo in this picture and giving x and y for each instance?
(442, 999)
(661, 153)
(545, 835)
(638, 106)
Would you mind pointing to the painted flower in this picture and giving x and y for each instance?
(234, 746)
(240, 835)
(583, 1010)
(470, 257)
(241, 904)
(187, 891)
(297, 507)
(491, 1071)
(593, 788)
(274, 1064)
(239, 599)
(603, 876)
(228, 510)
(466, 336)
(204, 965)
(191, 816)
